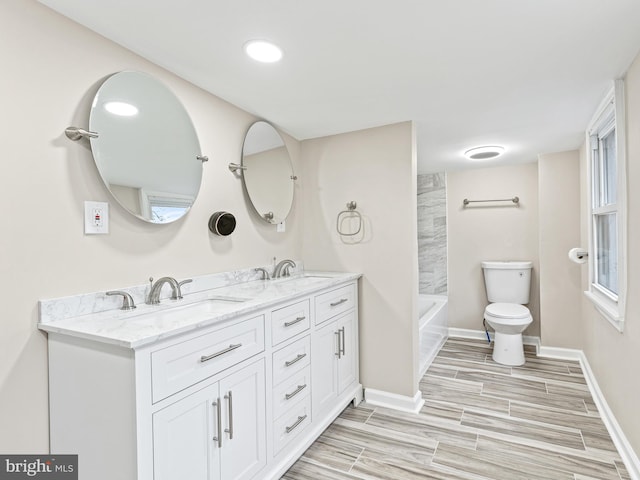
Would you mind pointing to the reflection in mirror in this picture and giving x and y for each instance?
(267, 173)
(147, 151)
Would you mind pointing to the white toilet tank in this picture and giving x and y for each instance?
(507, 282)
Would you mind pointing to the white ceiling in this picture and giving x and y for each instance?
(527, 74)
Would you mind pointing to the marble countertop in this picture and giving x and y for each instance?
(150, 323)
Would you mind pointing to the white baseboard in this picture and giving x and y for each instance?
(394, 401)
(467, 333)
(561, 353)
(629, 457)
(482, 335)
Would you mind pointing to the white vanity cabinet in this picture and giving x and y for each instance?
(334, 350)
(334, 346)
(239, 397)
(217, 433)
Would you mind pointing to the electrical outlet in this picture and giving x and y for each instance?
(96, 218)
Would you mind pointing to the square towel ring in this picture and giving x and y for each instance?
(352, 212)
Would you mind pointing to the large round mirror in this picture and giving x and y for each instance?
(147, 151)
(267, 172)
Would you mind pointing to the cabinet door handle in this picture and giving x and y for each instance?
(298, 422)
(341, 301)
(342, 342)
(289, 396)
(230, 348)
(337, 334)
(219, 417)
(229, 398)
(293, 322)
(300, 356)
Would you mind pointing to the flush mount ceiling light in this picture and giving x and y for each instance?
(484, 153)
(263, 51)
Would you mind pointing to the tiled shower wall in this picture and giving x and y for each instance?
(432, 233)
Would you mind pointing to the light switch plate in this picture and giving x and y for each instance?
(96, 218)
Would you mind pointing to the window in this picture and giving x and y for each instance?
(161, 207)
(607, 226)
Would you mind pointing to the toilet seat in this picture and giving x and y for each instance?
(507, 311)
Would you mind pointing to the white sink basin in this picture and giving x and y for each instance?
(199, 309)
(211, 305)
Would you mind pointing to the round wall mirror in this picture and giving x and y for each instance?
(267, 173)
(147, 151)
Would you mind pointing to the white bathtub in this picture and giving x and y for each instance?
(433, 327)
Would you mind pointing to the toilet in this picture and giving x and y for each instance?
(507, 285)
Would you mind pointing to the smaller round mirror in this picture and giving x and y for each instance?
(267, 173)
(147, 150)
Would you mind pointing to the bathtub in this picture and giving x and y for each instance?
(433, 327)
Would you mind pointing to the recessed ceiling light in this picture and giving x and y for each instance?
(484, 153)
(121, 108)
(263, 51)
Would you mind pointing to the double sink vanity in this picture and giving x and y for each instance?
(232, 382)
(234, 376)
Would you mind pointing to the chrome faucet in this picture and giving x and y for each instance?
(282, 269)
(127, 300)
(180, 284)
(265, 274)
(154, 293)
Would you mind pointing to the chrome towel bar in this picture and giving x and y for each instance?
(515, 200)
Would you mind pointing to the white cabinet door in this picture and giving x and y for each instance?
(324, 373)
(243, 449)
(347, 358)
(182, 438)
(186, 440)
(333, 368)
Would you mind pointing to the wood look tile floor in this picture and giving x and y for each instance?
(480, 420)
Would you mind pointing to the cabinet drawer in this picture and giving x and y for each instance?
(291, 359)
(291, 391)
(179, 366)
(290, 425)
(334, 302)
(288, 321)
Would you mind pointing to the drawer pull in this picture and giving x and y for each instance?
(339, 302)
(289, 396)
(293, 322)
(229, 398)
(219, 418)
(230, 348)
(295, 360)
(298, 422)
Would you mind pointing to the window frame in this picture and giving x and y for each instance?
(609, 116)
